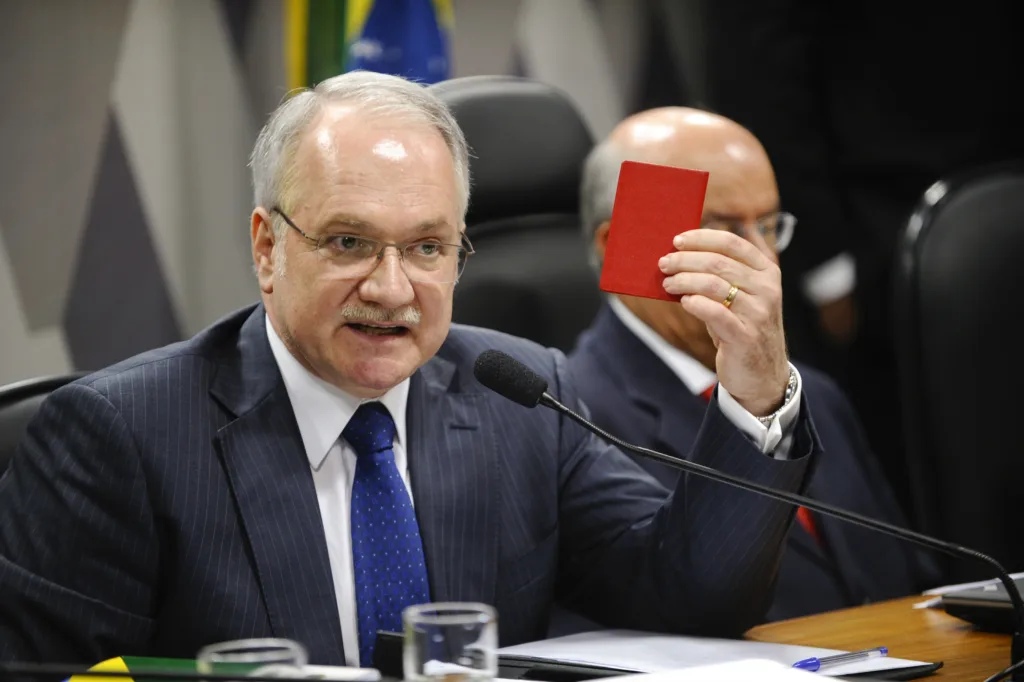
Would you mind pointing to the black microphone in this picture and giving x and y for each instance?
(511, 379)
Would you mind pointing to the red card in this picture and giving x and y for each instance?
(652, 205)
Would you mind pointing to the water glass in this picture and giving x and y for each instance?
(258, 657)
(450, 642)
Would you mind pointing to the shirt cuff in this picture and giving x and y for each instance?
(830, 281)
(774, 440)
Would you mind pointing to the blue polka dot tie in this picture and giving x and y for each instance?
(387, 553)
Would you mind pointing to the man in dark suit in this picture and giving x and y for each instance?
(308, 467)
(645, 368)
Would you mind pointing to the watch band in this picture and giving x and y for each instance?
(790, 392)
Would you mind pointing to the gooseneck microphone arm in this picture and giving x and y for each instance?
(950, 548)
(512, 379)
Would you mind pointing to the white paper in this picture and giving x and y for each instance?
(649, 653)
(755, 669)
(931, 603)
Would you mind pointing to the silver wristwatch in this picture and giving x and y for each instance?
(790, 392)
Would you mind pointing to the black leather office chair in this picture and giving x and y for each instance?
(530, 275)
(959, 306)
(18, 404)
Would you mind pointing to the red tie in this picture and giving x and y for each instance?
(803, 515)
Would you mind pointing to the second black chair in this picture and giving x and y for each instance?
(958, 309)
(530, 276)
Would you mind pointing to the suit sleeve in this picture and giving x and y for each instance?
(702, 560)
(78, 550)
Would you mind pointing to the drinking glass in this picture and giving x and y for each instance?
(450, 642)
(260, 657)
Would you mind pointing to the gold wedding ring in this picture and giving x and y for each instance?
(731, 297)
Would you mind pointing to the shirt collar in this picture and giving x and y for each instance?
(322, 410)
(695, 376)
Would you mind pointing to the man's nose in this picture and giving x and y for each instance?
(388, 285)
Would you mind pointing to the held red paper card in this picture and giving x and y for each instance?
(652, 205)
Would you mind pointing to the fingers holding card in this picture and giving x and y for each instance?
(731, 284)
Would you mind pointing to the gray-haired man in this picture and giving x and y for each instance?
(309, 466)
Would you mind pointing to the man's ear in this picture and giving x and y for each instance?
(462, 240)
(600, 243)
(263, 242)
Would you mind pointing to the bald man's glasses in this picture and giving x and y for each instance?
(776, 228)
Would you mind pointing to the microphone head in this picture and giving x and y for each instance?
(509, 378)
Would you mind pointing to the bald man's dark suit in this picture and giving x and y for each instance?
(632, 393)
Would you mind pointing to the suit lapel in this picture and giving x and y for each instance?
(651, 385)
(453, 467)
(266, 465)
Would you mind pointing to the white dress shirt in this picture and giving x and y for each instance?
(697, 378)
(322, 411)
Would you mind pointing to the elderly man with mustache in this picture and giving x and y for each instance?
(311, 465)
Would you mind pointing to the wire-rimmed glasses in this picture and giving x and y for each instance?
(776, 228)
(355, 256)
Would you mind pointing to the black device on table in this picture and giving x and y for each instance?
(989, 607)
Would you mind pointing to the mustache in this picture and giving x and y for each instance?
(409, 315)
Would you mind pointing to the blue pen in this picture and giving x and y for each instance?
(815, 664)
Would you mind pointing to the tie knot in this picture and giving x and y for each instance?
(370, 430)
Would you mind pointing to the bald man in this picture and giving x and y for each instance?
(640, 355)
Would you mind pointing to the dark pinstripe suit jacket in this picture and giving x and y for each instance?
(167, 502)
(631, 392)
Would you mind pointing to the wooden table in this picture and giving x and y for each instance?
(921, 634)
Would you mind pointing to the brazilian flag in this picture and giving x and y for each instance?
(409, 38)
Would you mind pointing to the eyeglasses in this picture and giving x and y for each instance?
(776, 228)
(354, 257)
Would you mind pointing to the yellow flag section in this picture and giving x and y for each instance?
(140, 665)
(111, 665)
(296, 35)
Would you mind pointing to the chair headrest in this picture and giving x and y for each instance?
(527, 144)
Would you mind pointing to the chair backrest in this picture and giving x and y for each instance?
(19, 402)
(530, 276)
(959, 304)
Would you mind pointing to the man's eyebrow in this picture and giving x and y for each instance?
(351, 221)
(433, 224)
(346, 220)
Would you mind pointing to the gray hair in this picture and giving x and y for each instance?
(273, 171)
(597, 191)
